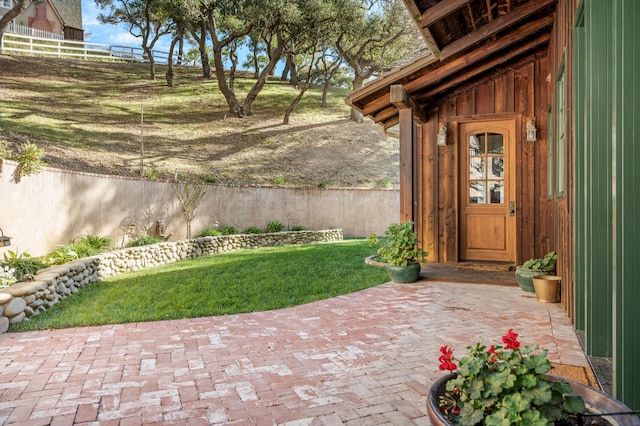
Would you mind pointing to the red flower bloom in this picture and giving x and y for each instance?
(448, 365)
(492, 351)
(510, 340)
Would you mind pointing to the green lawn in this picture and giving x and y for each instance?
(242, 281)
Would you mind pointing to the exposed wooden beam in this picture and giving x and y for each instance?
(402, 100)
(376, 104)
(385, 114)
(391, 122)
(493, 27)
(431, 42)
(440, 10)
(477, 55)
(485, 66)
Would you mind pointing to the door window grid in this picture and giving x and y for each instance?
(486, 168)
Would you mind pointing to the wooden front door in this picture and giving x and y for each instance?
(487, 191)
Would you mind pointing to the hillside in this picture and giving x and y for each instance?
(87, 117)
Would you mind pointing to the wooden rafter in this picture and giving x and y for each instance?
(377, 104)
(463, 62)
(385, 114)
(440, 10)
(493, 27)
(486, 66)
(402, 100)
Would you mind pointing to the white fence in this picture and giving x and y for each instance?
(32, 32)
(31, 45)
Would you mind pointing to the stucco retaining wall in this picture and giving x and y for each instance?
(55, 206)
(22, 300)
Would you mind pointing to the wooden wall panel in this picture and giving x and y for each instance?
(523, 91)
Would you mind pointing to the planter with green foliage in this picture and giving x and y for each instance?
(399, 250)
(533, 267)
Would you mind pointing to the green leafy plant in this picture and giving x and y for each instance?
(22, 264)
(299, 228)
(29, 158)
(546, 263)
(228, 230)
(274, 226)
(209, 232)
(84, 246)
(253, 230)
(278, 181)
(400, 245)
(210, 179)
(323, 184)
(505, 384)
(145, 240)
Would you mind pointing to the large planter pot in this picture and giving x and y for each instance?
(596, 402)
(404, 274)
(524, 277)
(547, 288)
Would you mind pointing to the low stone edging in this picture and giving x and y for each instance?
(22, 300)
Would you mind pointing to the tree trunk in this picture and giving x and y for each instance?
(19, 6)
(285, 73)
(293, 70)
(202, 47)
(181, 50)
(262, 78)
(325, 92)
(152, 62)
(170, 74)
(356, 116)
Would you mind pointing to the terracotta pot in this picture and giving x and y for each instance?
(596, 402)
(547, 288)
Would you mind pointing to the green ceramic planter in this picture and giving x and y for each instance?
(524, 277)
(404, 274)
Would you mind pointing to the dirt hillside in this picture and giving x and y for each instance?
(98, 116)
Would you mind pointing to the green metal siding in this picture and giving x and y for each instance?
(607, 187)
(626, 203)
(579, 170)
(598, 329)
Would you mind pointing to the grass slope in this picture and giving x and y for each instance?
(87, 116)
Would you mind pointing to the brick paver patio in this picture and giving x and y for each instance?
(366, 358)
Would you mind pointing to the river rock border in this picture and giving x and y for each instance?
(22, 300)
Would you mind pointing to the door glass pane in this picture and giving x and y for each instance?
(477, 193)
(496, 168)
(476, 168)
(476, 144)
(496, 143)
(496, 192)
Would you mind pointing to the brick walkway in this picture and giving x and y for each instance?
(366, 358)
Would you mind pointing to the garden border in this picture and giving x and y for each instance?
(24, 299)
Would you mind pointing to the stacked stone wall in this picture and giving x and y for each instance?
(22, 300)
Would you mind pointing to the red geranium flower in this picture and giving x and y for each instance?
(510, 340)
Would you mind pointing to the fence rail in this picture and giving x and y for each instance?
(31, 45)
(28, 31)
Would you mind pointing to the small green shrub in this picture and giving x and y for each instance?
(278, 181)
(228, 230)
(209, 232)
(22, 264)
(145, 240)
(547, 263)
(299, 228)
(323, 184)
(274, 226)
(253, 230)
(84, 246)
(210, 179)
(62, 254)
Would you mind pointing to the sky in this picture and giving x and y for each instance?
(111, 34)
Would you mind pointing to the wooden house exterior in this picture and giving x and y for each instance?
(481, 187)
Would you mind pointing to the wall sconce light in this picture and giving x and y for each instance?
(4, 241)
(532, 132)
(442, 135)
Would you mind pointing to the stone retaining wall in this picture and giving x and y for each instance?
(22, 300)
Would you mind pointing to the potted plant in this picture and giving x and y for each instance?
(509, 384)
(399, 250)
(533, 267)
